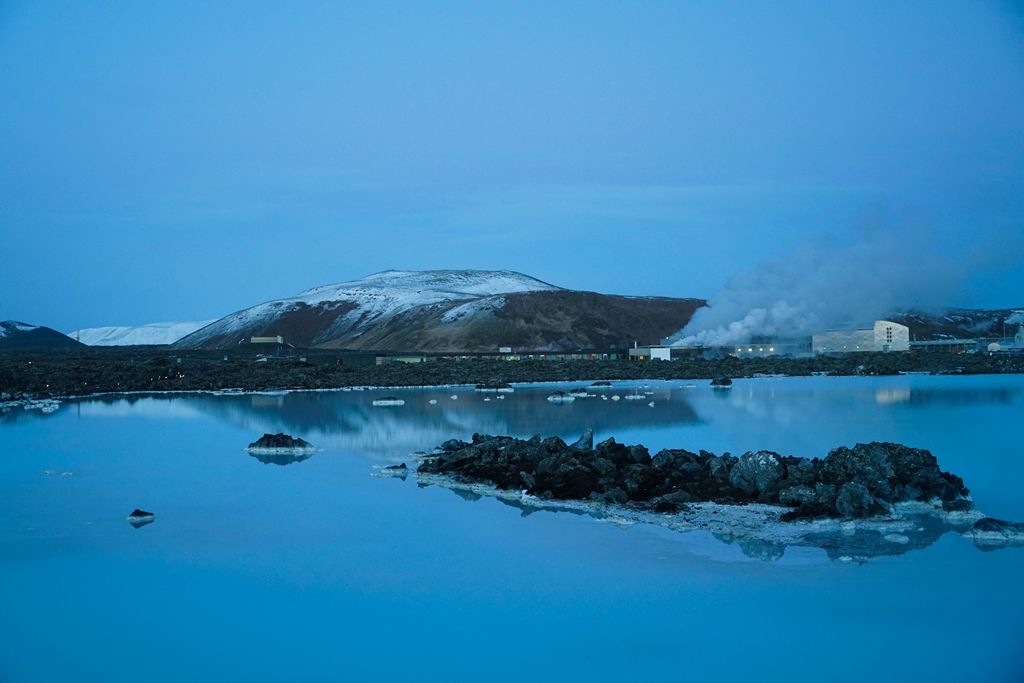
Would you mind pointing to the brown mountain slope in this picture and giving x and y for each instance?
(554, 320)
(450, 311)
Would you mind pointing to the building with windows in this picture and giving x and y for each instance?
(768, 346)
(884, 335)
(650, 353)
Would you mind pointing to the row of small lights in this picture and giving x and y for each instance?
(751, 350)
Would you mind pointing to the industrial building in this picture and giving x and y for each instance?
(767, 346)
(945, 346)
(884, 335)
(1016, 345)
(650, 353)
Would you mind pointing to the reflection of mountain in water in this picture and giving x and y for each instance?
(348, 420)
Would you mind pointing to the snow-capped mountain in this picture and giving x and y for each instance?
(18, 335)
(447, 310)
(143, 335)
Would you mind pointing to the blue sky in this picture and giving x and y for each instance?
(179, 161)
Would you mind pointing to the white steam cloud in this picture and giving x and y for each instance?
(828, 284)
(1016, 318)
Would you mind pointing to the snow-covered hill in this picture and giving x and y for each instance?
(152, 334)
(449, 310)
(322, 314)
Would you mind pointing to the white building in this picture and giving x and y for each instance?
(650, 353)
(885, 335)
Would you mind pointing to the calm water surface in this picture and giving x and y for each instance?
(318, 571)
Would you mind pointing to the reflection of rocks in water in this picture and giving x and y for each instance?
(860, 543)
(281, 457)
(758, 532)
(990, 534)
(758, 549)
(526, 509)
(754, 548)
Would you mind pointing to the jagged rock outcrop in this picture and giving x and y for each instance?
(858, 482)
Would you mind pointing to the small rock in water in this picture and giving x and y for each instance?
(279, 441)
(990, 533)
(401, 471)
(140, 518)
(280, 449)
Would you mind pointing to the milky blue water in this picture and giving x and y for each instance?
(318, 571)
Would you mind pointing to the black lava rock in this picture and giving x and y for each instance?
(279, 440)
(858, 482)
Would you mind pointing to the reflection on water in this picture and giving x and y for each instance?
(892, 395)
(800, 416)
(756, 536)
(353, 559)
(347, 419)
(280, 457)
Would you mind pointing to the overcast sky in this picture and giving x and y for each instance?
(179, 161)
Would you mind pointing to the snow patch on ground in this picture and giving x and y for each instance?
(9, 326)
(474, 308)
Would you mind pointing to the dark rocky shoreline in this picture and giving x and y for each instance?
(851, 483)
(29, 375)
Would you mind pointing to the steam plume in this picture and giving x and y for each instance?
(827, 284)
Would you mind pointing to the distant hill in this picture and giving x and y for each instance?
(142, 335)
(961, 323)
(451, 310)
(16, 335)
